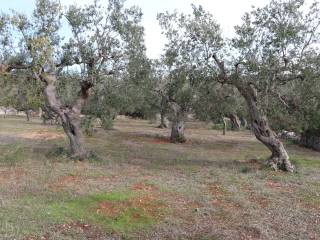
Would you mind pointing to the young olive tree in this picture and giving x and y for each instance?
(180, 75)
(268, 51)
(156, 95)
(95, 49)
(174, 91)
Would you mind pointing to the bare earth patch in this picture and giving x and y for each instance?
(12, 174)
(41, 135)
(160, 141)
(64, 181)
(276, 186)
(147, 206)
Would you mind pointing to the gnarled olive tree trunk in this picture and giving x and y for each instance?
(163, 123)
(178, 124)
(244, 123)
(69, 116)
(235, 122)
(163, 111)
(279, 159)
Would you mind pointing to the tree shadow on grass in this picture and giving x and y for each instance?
(197, 143)
(245, 166)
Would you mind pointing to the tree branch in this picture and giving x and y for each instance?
(6, 68)
(223, 74)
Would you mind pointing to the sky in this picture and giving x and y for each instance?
(228, 14)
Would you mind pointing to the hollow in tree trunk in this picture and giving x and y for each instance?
(279, 159)
(71, 126)
(69, 116)
(178, 124)
(177, 131)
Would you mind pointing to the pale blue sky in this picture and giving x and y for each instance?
(227, 12)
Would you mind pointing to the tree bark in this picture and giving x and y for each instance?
(71, 126)
(69, 116)
(40, 112)
(5, 112)
(224, 120)
(235, 122)
(178, 124)
(163, 123)
(244, 123)
(279, 159)
(177, 131)
(27, 115)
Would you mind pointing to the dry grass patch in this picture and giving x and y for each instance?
(142, 187)
(41, 135)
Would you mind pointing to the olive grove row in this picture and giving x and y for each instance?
(92, 61)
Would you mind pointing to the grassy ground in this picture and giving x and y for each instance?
(139, 186)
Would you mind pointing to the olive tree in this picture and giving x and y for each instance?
(272, 44)
(180, 77)
(99, 35)
(268, 51)
(174, 90)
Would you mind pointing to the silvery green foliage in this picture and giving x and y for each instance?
(78, 44)
(273, 42)
(270, 49)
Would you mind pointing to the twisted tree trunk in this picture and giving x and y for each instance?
(178, 124)
(244, 123)
(69, 116)
(163, 123)
(71, 126)
(235, 122)
(163, 111)
(279, 159)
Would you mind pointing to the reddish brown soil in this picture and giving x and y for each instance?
(145, 187)
(147, 205)
(161, 141)
(42, 135)
(11, 175)
(64, 181)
